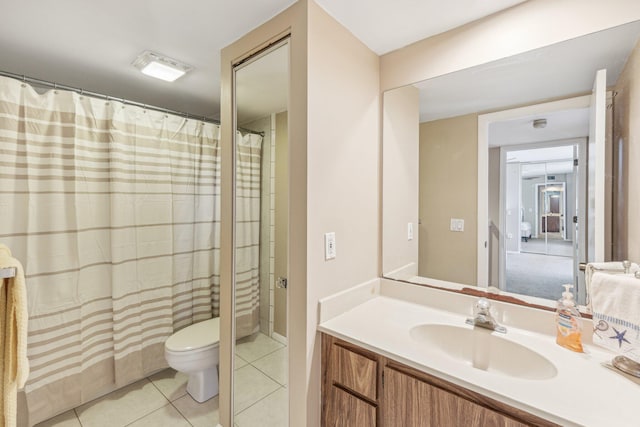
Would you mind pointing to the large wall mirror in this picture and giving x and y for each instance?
(261, 180)
(501, 175)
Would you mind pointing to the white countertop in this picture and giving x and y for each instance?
(583, 393)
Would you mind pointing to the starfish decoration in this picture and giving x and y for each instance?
(620, 337)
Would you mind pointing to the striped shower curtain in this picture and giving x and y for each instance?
(114, 212)
(247, 287)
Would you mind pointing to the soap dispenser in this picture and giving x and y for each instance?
(569, 334)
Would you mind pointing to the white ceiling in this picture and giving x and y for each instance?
(385, 25)
(561, 125)
(91, 44)
(557, 71)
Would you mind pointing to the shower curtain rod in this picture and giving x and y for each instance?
(54, 85)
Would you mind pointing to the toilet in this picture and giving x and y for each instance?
(194, 351)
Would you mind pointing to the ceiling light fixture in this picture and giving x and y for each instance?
(540, 123)
(161, 67)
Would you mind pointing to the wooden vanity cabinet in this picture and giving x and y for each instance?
(363, 389)
(350, 385)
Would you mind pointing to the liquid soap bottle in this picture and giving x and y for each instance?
(569, 333)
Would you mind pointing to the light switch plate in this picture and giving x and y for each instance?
(410, 231)
(457, 224)
(329, 246)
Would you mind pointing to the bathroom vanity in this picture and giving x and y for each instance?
(397, 354)
(363, 388)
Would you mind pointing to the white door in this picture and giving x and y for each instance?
(596, 167)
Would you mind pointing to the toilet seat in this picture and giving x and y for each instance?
(198, 336)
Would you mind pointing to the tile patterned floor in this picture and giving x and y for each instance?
(161, 400)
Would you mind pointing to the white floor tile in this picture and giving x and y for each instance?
(256, 346)
(251, 385)
(272, 411)
(167, 416)
(204, 414)
(172, 384)
(274, 365)
(239, 362)
(122, 406)
(66, 419)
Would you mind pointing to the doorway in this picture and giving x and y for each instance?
(540, 200)
(580, 119)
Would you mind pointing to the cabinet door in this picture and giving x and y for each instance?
(410, 402)
(406, 401)
(449, 410)
(346, 410)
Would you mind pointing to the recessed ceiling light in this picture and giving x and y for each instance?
(161, 67)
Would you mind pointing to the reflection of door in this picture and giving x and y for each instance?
(551, 202)
(554, 204)
(546, 188)
(550, 223)
(596, 167)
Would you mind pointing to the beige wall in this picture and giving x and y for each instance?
(527, 26)
(401, 118)
(627, 139)
(281, 222)
(343, 173)
(448, 177)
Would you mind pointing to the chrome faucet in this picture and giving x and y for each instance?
(482, 317)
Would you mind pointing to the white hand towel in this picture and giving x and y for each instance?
(14, 366)
(612, 267)
(615, 300)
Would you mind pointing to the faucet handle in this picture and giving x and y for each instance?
(483, 305)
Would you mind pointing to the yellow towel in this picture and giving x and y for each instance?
(14, 366)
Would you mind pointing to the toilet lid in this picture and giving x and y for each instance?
(198, 335)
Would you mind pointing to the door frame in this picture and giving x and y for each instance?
(484, 121)
(504, 151)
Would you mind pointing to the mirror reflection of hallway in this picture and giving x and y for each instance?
(540, 249)
(261, 236)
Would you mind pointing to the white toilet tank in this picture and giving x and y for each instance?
(199, 335)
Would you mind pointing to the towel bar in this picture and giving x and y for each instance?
(7, 273)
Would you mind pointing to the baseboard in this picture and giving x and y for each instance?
(282, 340)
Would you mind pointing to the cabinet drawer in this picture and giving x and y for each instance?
(354, 371)
(346, 410)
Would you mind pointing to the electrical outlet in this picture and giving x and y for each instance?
(329, 246)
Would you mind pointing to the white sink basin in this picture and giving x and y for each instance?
(484, 349)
